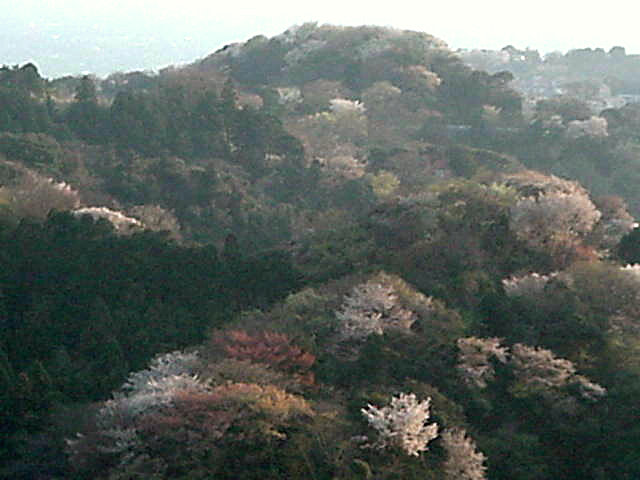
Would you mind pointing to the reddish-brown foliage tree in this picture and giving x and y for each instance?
(271, 348)
(197, 420)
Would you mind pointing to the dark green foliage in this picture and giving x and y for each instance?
(262, 63)
(83, 306)
(32, 149)
(628, 249)
(466, 162)
(136, 124)
(515, 456)
(85, 116)
(23, 106)
(466, 91)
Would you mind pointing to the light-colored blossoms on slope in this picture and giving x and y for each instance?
(168, 375)
(121, 223)
(529, 285)
(289, 95)
(341, 106)
(553, 218)
(36, 196)
(475, 359)
(403, 423)
(539, 370)
(592, 127)
(464, 461)
(552, 214)
(371, 308)
(633, 270)
(163, 366)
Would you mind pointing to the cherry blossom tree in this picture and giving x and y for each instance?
(475, 359)
(403, 423)
(464, 461)
(371, 308)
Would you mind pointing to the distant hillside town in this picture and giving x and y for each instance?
(600, 79)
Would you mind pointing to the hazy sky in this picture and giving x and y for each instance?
(73, 36)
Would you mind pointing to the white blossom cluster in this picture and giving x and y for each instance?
(551, 212)
(553, 218)
(464, 461)
(475, 359)
(156, 218)
(121, 440)
(168, 374)
(32, 179)
(633, 270)
(491, 114)
(554, 122)
(341, 106)
(613, 229)
(298, 33)
(289, 95)
(302, 50)
(162, 366)
(540, 369)
(62, 187)
(592, 127)
(370, 309)
(588, 389)
(403, 423)
(536, 368)
(529, 285)
(120, 222)
(530, 183)
(550, 209)
(36, 196)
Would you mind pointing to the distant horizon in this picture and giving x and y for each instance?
(153, 55)
(104, 37)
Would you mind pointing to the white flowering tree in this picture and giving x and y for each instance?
(168, 376)
(553, 219)
(156, 218)
(615, 222)
(592, 127)
(530, 285)
(464, 460)
(121, 223)
(539, 370)
(403, 423)
(371, 308)
(35, 196)
(551, 214)
(343, 106)
(475, 359)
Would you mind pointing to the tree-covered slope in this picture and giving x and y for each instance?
(340, 253)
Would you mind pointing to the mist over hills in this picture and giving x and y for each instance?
(70, 49)
(103, 40)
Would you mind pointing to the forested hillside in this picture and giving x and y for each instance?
(336, 253)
